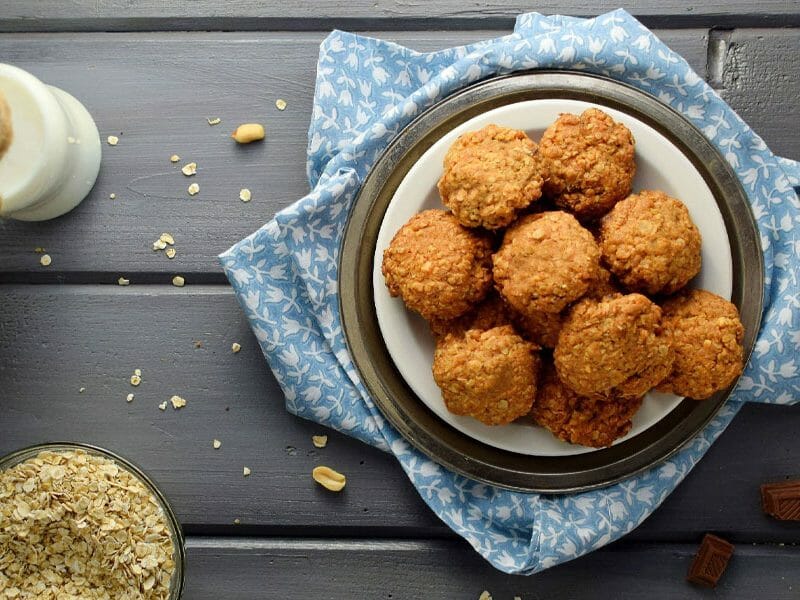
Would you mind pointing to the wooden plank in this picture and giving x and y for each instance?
(55, 340)
(258, 568)
(148, 15)
(761, 77)
(155, 91)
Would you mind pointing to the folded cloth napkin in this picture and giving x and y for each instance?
(285, 274)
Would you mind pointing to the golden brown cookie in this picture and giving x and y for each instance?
(489, 375)
(650, 243)
(439, 268)
(538, 327)
(546, 261)
(489, 176)
(603, 344)
(581, 420)
(6, 131)
(706, 336)
(491, 312)
(588, 162)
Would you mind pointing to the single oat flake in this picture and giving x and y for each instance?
(189, 169)
(45, 260)
(112, 195)
(167, 239)
(216, 443)
(245, 195)
(193, 189)
(280, 104)
(159, 245)
(235, 347)
(170, 252)
(174, 158)
(123, 281)
(177, 402)
(129, 398)
(319, 441)
(246, 471)
(214, 121)
(163, 405)
(178, 281)
(136, 380)
(112, 140)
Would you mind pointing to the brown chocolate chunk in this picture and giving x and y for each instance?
(710, 561)
(782, 500)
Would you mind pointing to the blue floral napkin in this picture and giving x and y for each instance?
(285, 274)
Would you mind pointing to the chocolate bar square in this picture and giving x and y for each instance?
(781, 500)
(710, 561)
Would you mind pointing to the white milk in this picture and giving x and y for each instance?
(54, 156)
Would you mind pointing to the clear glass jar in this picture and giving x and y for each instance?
(176, 532)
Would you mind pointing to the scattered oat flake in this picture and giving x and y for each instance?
(123, 281)
(136, 380)
(216, 443)
(178, 281)
(236, 522)
(177, 402)
(45, 260)
(112, 195)
(246, 471)
(170, 252)
(189, 169)
(235, 347)
(159, 245)
(137, 372)
(245, 195)
(517, 598)
(113, 140)
(485, 596)
(163, 405)
(198, 343)
(39, 250)
(83, 389)
(174, 158)
(214, 121)
(167, 239)
(319, 441)
(193, 189)
(129, 397)
(280, 104)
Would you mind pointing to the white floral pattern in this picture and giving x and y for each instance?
(285, 274)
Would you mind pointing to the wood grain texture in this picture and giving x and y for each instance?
(149, 15)
(761, 79)
(434, 570)
(55, 340)
(155, 91)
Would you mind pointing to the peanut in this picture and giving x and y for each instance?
(249, 132)
(328, 478)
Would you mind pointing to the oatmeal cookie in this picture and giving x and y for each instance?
(603, 344)
(491, 312)
(439, 268)
(588, 162)
(707, 339)
(579, 419)
(490, 175)
(546, 261)
(489, 375)
(650, 243)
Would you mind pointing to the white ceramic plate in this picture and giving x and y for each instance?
(660, 166)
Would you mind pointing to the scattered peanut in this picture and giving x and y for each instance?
(280, 104)
(246, 471)
(123, 281)
(214, 121)
(216, 443)
(245, 195)
(235, 347)
(45, 260)
(178, 281)
(328, 478)
(249, 132)
(193, 189)
(319, 441)
(113, 140)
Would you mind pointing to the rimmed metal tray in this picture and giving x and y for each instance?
(413, 419)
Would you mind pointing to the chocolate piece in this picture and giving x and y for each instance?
(710, 561)
(782, 500)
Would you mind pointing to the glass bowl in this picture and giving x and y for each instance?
(176, 533)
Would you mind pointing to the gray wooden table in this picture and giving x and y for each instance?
(151, 72)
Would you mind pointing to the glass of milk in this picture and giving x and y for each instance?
(54, 156)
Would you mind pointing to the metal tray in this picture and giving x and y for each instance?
(400, 405)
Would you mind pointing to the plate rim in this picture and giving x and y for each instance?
(392, 395)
